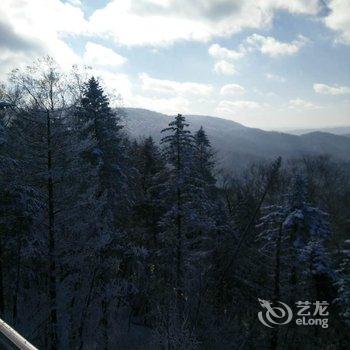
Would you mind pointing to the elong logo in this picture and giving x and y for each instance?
(282, 314)
(274, 315)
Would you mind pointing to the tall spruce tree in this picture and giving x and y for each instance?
(204, 157)
(99, 128)
(150, 168)
(144, 229)
(206, 203)
(185, 221)
(103, 199)
(178, 148)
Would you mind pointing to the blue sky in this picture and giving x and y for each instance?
(271, 64)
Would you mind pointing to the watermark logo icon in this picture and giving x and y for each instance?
(274, 315)
(279, 313)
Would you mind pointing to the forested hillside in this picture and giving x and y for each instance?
(238, 146)
(108, 241)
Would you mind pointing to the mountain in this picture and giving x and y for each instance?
(341, 130)
(238, 145)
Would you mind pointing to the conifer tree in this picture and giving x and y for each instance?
(178, 148)
(150, 168)
(99, 129)
(204, 157)
(103, 195)
(305, 227)
(186, 222)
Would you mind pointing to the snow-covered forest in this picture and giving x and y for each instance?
(108, 242)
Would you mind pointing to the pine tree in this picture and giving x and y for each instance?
(99, 128)
(151, 175)
(206, 203)
(304, 226)
(178, 147)
(308, 229)
(143, 229)
(103, 199)
(204, 157)
(209, 209)
(187, 222)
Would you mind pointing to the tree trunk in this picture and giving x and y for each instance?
(72, 330)
(179, 238)
(276, 297)
(18, 272)
(84, 311)
(104, 322)
(2, 304)
(51, 243)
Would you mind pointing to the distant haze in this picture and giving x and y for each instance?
(238, 145)
(341, 130)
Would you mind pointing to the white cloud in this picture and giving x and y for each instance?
(115, 83)
(228, 107)
(275, 77)
(118, 83)
(171, 105)
(270, 46)
(171, 87)
(43, 25)
(331, 90)
(75, 2)
(98, 55)
(224, 57)
(265, 44)
(224, 68)
(299, 103)
(223, 53)
(244, 104)
(168, 96)
(40, 25)
(297, 6)
(232, 89)
(339, 19)
(138, 22)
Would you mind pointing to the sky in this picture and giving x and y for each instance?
(272, 64)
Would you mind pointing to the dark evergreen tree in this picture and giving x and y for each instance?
(204, 158)
(178, 148)
(99, 129)
(103, 200)
(151, 175)
(144, 227)
(185, 223)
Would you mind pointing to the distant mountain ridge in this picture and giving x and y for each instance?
(343, 130)
(238, 145)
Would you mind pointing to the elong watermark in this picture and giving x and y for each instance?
(308, 313)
